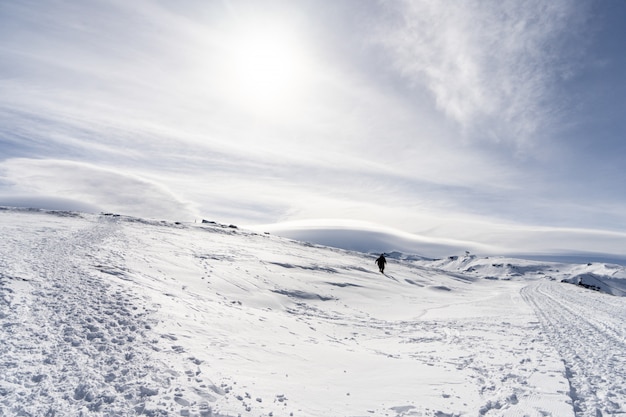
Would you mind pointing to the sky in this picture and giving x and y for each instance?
(498, 124)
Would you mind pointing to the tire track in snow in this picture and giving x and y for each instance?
(580, 325)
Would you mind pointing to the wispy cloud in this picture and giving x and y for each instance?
(490, 65)
(162, 101)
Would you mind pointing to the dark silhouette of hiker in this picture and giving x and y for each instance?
(381, 261)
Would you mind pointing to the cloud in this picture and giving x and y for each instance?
(110, 93)
(481, 237)
(48, 203)
(140, 93)
(490, 65)
(110, 190)
(370, 237)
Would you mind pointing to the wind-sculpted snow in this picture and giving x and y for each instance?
(105, 315)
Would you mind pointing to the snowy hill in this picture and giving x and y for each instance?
(106, 315)
(606, 278)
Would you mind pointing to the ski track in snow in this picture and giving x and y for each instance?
(587, 329)
(101, 316)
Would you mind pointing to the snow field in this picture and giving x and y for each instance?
(116, 316)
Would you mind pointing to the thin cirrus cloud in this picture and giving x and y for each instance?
(489, 65)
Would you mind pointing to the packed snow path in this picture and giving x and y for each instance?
(588, 330)
(114, 316)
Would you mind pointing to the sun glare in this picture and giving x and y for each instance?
(265, 67)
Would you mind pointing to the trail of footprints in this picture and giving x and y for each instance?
(97, 347)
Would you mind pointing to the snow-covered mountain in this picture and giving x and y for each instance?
(107, 315)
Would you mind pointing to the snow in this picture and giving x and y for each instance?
(106, 315)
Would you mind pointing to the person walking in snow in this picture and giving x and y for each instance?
(381, 261)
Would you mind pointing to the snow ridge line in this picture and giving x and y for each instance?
(566, 316)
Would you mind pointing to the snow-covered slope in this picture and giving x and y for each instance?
(104, 315)
(606, 278)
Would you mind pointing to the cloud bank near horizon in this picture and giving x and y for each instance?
(498, 240)
(85, 187)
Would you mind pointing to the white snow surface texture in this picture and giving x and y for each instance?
(106, 315)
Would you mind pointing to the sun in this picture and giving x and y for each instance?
(265, 66)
